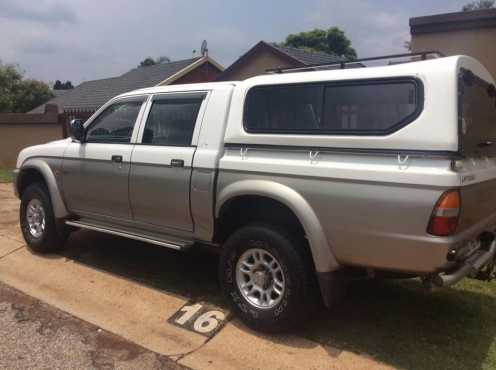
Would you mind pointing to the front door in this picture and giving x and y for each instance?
(161, 164)
(96, 171)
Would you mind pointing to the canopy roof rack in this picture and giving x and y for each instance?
(357, 63)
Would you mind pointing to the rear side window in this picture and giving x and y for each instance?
(284, 109)
(373, 107)
(171, 121)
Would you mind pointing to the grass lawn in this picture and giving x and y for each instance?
(5, 175)
(397, 323)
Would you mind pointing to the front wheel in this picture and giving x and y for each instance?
(38, 223)
(267, 276)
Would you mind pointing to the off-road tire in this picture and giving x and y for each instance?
(54, 235)
(300, 297)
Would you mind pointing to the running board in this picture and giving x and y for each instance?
(177, 244)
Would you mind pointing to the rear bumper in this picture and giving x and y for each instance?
(404, 253)
(479, 264)
(483, 258)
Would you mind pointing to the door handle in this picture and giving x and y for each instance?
(117, 158)
(177, 163)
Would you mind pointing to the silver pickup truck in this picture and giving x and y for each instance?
(299, 178)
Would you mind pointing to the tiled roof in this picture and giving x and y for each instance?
(308, 57)
(91, 95)
(293, 58)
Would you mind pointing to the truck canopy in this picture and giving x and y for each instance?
(406, 107)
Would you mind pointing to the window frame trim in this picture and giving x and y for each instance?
(144, 100)
(417, 82)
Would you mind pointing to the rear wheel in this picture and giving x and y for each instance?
(39, 227)
(268, 278)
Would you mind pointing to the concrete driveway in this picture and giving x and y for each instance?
(131, 289)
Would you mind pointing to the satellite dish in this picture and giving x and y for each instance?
(204, 49)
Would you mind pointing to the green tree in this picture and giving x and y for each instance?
(30, 94)
(62, 85)
(163, 59)
(331, 41)
(477, 5)
(20, 95)
(149, 61)
(9, 77)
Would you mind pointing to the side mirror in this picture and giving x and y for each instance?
(77, 129)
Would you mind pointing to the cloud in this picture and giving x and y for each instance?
(41, 11)
(87, 39)
(40, 47)
(376, 27)
(372, 28)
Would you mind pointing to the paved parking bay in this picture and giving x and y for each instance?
(131, 289)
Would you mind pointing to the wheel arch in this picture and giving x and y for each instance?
(322, 254)
(35, 169)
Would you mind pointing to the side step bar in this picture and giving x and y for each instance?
(177, 244)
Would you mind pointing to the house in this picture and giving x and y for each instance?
(264, 56)
(86, 98)
(471, 33)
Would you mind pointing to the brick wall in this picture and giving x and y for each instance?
(204, 73)
(20, 130)
(255, 64)
(467, 33)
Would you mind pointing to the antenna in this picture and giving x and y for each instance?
(204, 49)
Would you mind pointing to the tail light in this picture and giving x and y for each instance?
(444, 219)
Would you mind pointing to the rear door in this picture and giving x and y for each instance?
(161, 164)
(477, 115)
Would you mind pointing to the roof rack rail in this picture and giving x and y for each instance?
(342, 64)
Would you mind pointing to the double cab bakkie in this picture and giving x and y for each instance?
(297, 178)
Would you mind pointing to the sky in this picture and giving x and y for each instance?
(82, 40)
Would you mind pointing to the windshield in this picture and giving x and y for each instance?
(478, 115)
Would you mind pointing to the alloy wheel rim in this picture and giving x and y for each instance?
(260, 278)
(35, 217)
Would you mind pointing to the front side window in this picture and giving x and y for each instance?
(372, 107)
(115, 124)
(171, 121)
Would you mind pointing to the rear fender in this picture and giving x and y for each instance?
(323, 257)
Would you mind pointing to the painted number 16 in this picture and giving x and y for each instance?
(205, 323)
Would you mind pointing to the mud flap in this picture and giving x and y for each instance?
(332, 287)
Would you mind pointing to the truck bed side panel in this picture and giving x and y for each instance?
(374, 212)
